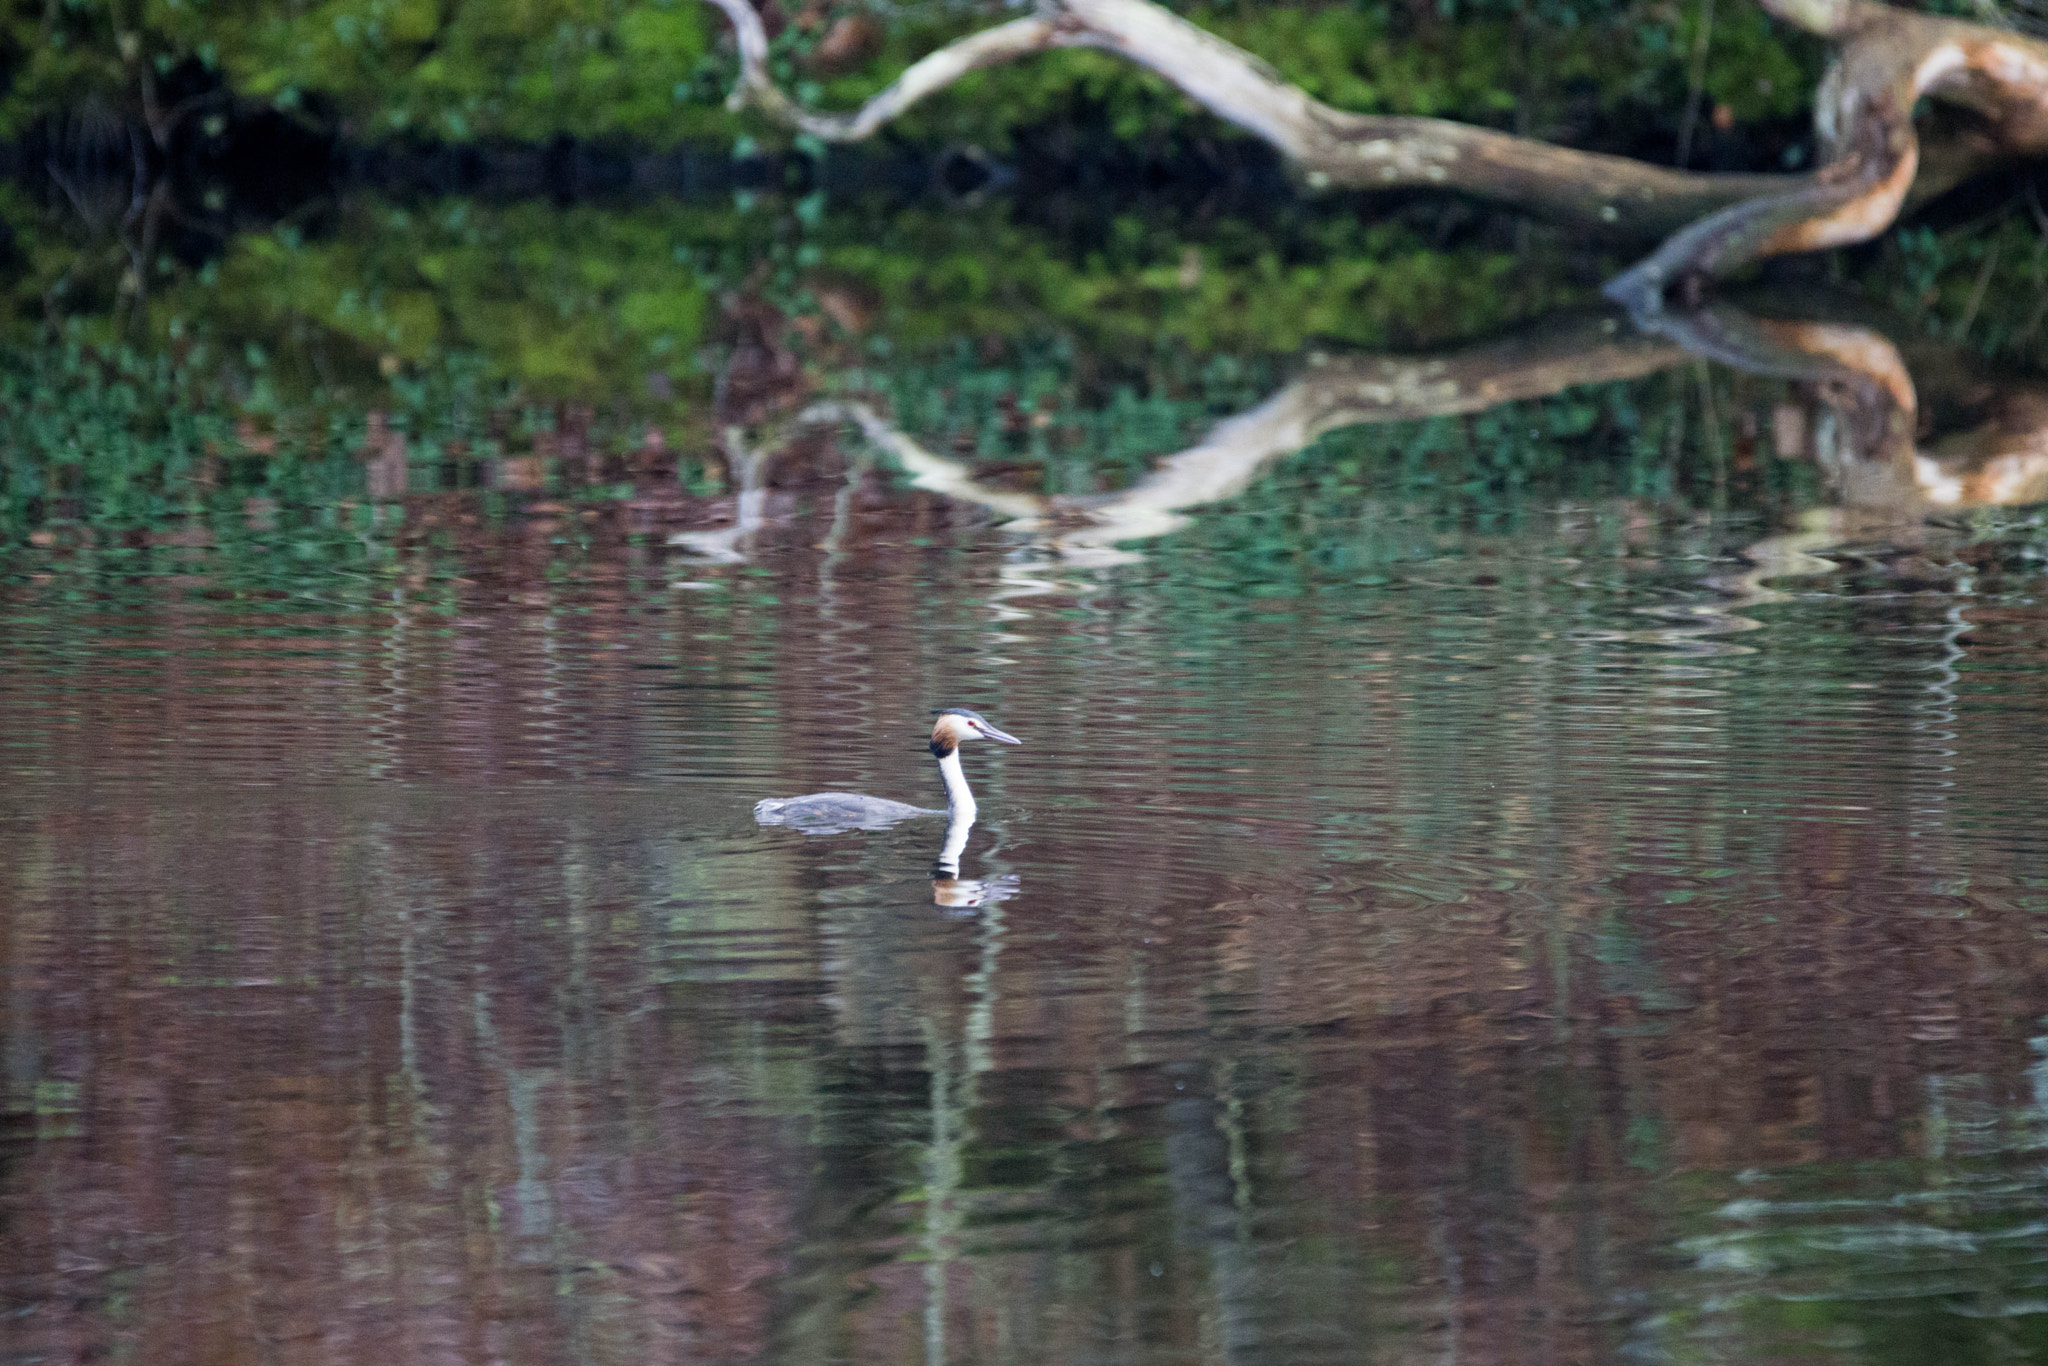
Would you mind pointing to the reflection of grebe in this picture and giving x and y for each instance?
(964, 893)
(828, 812)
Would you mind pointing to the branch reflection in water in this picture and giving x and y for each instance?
(1863, 432)
(1424, 971)
(1414, 978)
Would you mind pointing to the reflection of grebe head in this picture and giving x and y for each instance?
(956, 724)
(958, 893)
(966, 893)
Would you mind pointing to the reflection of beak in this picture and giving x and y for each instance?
(992, 733)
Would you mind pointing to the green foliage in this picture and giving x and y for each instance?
(528, 69)
(1754, 67)
(1072, 361)
(460, 70)
(63, 59)
(656, 70)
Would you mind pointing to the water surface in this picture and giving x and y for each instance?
(1562, 941)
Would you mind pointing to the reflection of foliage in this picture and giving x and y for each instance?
(114, 440)
(1821, 1253)
(585, 302)
(1984, 285)
(113, 432)
(1367, 497)
(1231, 286)
(1071, 362)
(576, 299)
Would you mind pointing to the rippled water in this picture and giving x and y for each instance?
(1580, 943)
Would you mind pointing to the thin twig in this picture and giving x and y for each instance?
(1696, 82)
(2035, 318)
(1977, 294)
(138, 188)
(58, 178)
(933, 72)
(1710, 428)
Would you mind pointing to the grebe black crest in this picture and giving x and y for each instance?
(827, 813)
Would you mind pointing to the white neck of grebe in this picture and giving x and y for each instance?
(959, 801)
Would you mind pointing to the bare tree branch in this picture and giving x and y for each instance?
(1019, 38)
(1330, 147)
(1889, 59)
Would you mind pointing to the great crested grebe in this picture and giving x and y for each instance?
(827, 813)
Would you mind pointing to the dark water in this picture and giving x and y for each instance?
(1569, 943)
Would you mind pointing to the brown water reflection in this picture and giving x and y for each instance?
(1480, 955)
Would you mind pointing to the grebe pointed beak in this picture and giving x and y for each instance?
(984, 728)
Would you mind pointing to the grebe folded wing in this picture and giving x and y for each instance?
(829, 812)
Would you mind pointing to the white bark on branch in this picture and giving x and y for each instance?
(927, 471)
(936, 71)
(1889, 59)
(1329, 147)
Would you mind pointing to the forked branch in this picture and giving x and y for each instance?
(1334, 392)
(1874, 461)
(1889, 58)
(1331, 148)
(933, 72)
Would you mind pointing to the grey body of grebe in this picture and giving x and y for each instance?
(827, 813)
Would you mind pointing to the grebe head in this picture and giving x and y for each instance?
(956, 724)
